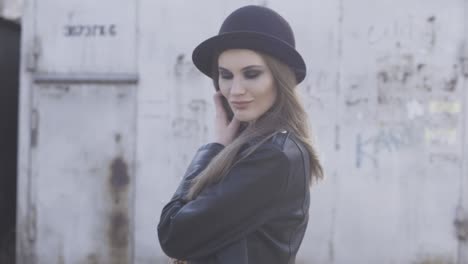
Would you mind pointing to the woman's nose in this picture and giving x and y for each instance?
(237, 87)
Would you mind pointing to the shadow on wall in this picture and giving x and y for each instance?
(9, 87)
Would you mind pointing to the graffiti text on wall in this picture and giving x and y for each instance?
(90, 30)
(405, 31)
(391, 139)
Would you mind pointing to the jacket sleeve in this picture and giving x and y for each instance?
(227, 211)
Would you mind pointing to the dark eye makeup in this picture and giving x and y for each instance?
(225, 75)
(252, 74)
(248, 74)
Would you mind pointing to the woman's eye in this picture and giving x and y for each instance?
(225, 76)
(251, 74)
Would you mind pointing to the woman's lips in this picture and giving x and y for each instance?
(240, 104)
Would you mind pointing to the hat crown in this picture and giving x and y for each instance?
(261, 20)
(256, 28)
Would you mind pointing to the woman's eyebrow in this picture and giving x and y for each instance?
(243, 69)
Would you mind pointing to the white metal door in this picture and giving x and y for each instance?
(85, 36)
(82, 173)
(81, 75)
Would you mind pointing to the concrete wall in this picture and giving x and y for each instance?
(114, 82)
(11, 9)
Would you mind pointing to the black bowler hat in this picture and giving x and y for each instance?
(256, 28)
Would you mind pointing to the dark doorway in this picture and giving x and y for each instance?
(9, 87)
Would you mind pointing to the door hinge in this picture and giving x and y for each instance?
(32, 54)
(32, 223)
(464, 66)
(34, 128)
(461, 224)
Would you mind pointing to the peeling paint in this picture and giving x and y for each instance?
(414, 109)
(440, 136)
(451, 107)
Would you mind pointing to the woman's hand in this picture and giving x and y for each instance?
(225, 131)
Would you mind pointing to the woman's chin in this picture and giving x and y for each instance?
(243, 117)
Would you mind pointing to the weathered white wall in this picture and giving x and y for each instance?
(385, 90)
(385, 94)
(11, 9)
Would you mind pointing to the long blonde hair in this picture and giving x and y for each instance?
(286, 113)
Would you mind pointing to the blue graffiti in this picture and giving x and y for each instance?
(385, 140)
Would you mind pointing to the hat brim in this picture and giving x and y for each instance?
(203, 54)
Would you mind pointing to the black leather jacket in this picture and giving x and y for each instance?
(258, 214)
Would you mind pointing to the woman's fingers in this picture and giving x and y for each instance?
(220, 111)
(225, 130)
(234, 125)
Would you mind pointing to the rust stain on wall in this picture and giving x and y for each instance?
(117, 137)
(61, 259)
(118, 231)
(119, 177)
(92, 259)
(461, 225)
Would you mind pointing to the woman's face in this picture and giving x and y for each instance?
(246, 82)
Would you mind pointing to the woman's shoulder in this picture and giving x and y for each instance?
(287, 143)
(291, 153)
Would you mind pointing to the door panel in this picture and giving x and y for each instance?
(83, 173)
(85, 36)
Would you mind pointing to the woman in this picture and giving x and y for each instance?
(245, 196)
